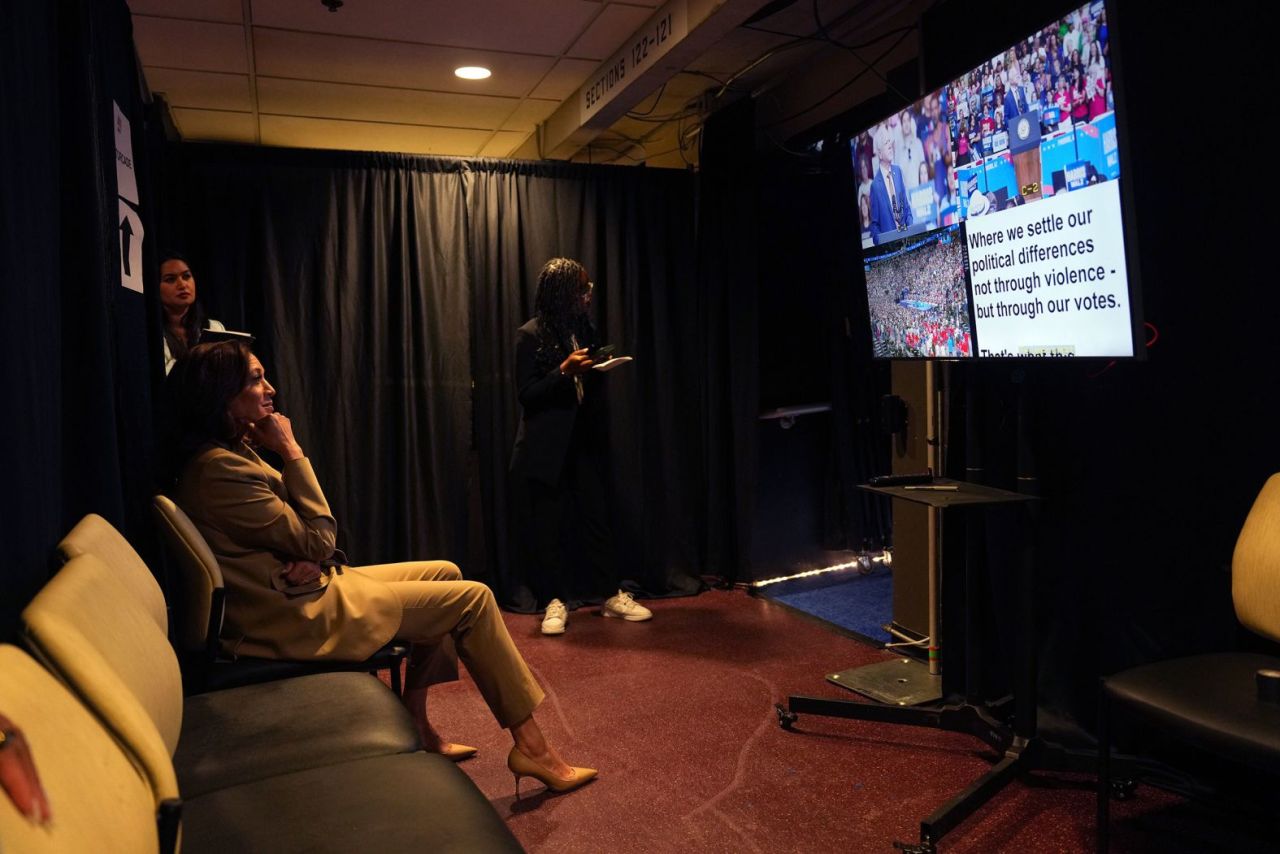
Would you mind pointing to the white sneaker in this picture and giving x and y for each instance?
(627, 608)
(556, 618)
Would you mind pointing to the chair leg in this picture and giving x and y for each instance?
(168, 822)
(1104, 770)
(397, 684)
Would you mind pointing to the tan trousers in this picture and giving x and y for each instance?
(443, 613)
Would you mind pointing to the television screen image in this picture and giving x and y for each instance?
(1052, 90)
(903, 166)
(1022, 152)
(917, 298)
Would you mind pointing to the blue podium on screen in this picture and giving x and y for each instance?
(1106, 125)
(1087, 149)
(1089, 146)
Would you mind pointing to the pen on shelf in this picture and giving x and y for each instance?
(936, 488)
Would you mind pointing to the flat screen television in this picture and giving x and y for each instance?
(993, 223)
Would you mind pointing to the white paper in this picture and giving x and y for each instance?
(612, 363)
(126, 181)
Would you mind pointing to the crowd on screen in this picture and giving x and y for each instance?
(918, 303)
(1065, 66)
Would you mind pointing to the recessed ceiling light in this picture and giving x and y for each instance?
(472, 72)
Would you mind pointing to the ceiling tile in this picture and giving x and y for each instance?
(546, 27)
(215, 126)
(375, 103)
(503, 143)
(193, 45)
(370, 136)
(564, 79)
(608, 31)
(202, 89)
(528, 114)
(229, 11)
(305, 56)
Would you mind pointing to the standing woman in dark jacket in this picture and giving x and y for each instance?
(561, 452)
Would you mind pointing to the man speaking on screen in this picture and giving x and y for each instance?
(890, 211)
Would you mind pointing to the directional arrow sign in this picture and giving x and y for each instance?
(131, 234)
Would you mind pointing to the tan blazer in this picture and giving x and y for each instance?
(256, 519)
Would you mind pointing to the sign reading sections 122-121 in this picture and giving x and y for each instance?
(649, 44)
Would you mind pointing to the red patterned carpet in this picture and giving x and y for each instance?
(677, 714)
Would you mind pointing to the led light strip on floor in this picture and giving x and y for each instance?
(885, 557)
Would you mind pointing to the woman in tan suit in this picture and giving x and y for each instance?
(274, 537)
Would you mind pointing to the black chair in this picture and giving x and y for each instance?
(1216, 703)
(202, 602)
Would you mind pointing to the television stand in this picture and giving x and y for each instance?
(1018, 743)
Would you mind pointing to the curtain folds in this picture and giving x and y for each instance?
(385, 292)
(73, 342)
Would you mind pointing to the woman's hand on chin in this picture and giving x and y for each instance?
(275, 433)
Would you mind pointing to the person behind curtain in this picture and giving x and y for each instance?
(287, 597)
(560, 454)
(183, 315)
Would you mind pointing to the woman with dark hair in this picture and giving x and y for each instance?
(560, 453)
(1079, 100)
(287, 597)
(183, 316)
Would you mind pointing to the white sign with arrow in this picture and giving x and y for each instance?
(131, 230)
(131, 234)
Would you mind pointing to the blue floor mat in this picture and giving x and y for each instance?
(862, 604)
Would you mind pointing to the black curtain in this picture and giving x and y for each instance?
(1147, 469)
(633, 229)
(76, 367)
(385, 292)
(814, 347)
(30, 267)
(352, 273)
(728, 352)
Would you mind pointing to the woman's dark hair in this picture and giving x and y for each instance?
(193, 321)
(198, 392)
(558, 303)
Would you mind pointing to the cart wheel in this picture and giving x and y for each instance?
(785, 718)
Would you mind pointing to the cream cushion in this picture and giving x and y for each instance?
(95, 535)
(100, 800)
(90, 630)
(201, 575)
(1255, 566)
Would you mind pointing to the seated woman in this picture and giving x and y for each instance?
(273, 536)
(183, 316)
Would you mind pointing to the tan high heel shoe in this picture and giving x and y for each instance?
(522, 766)
(458, 752)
